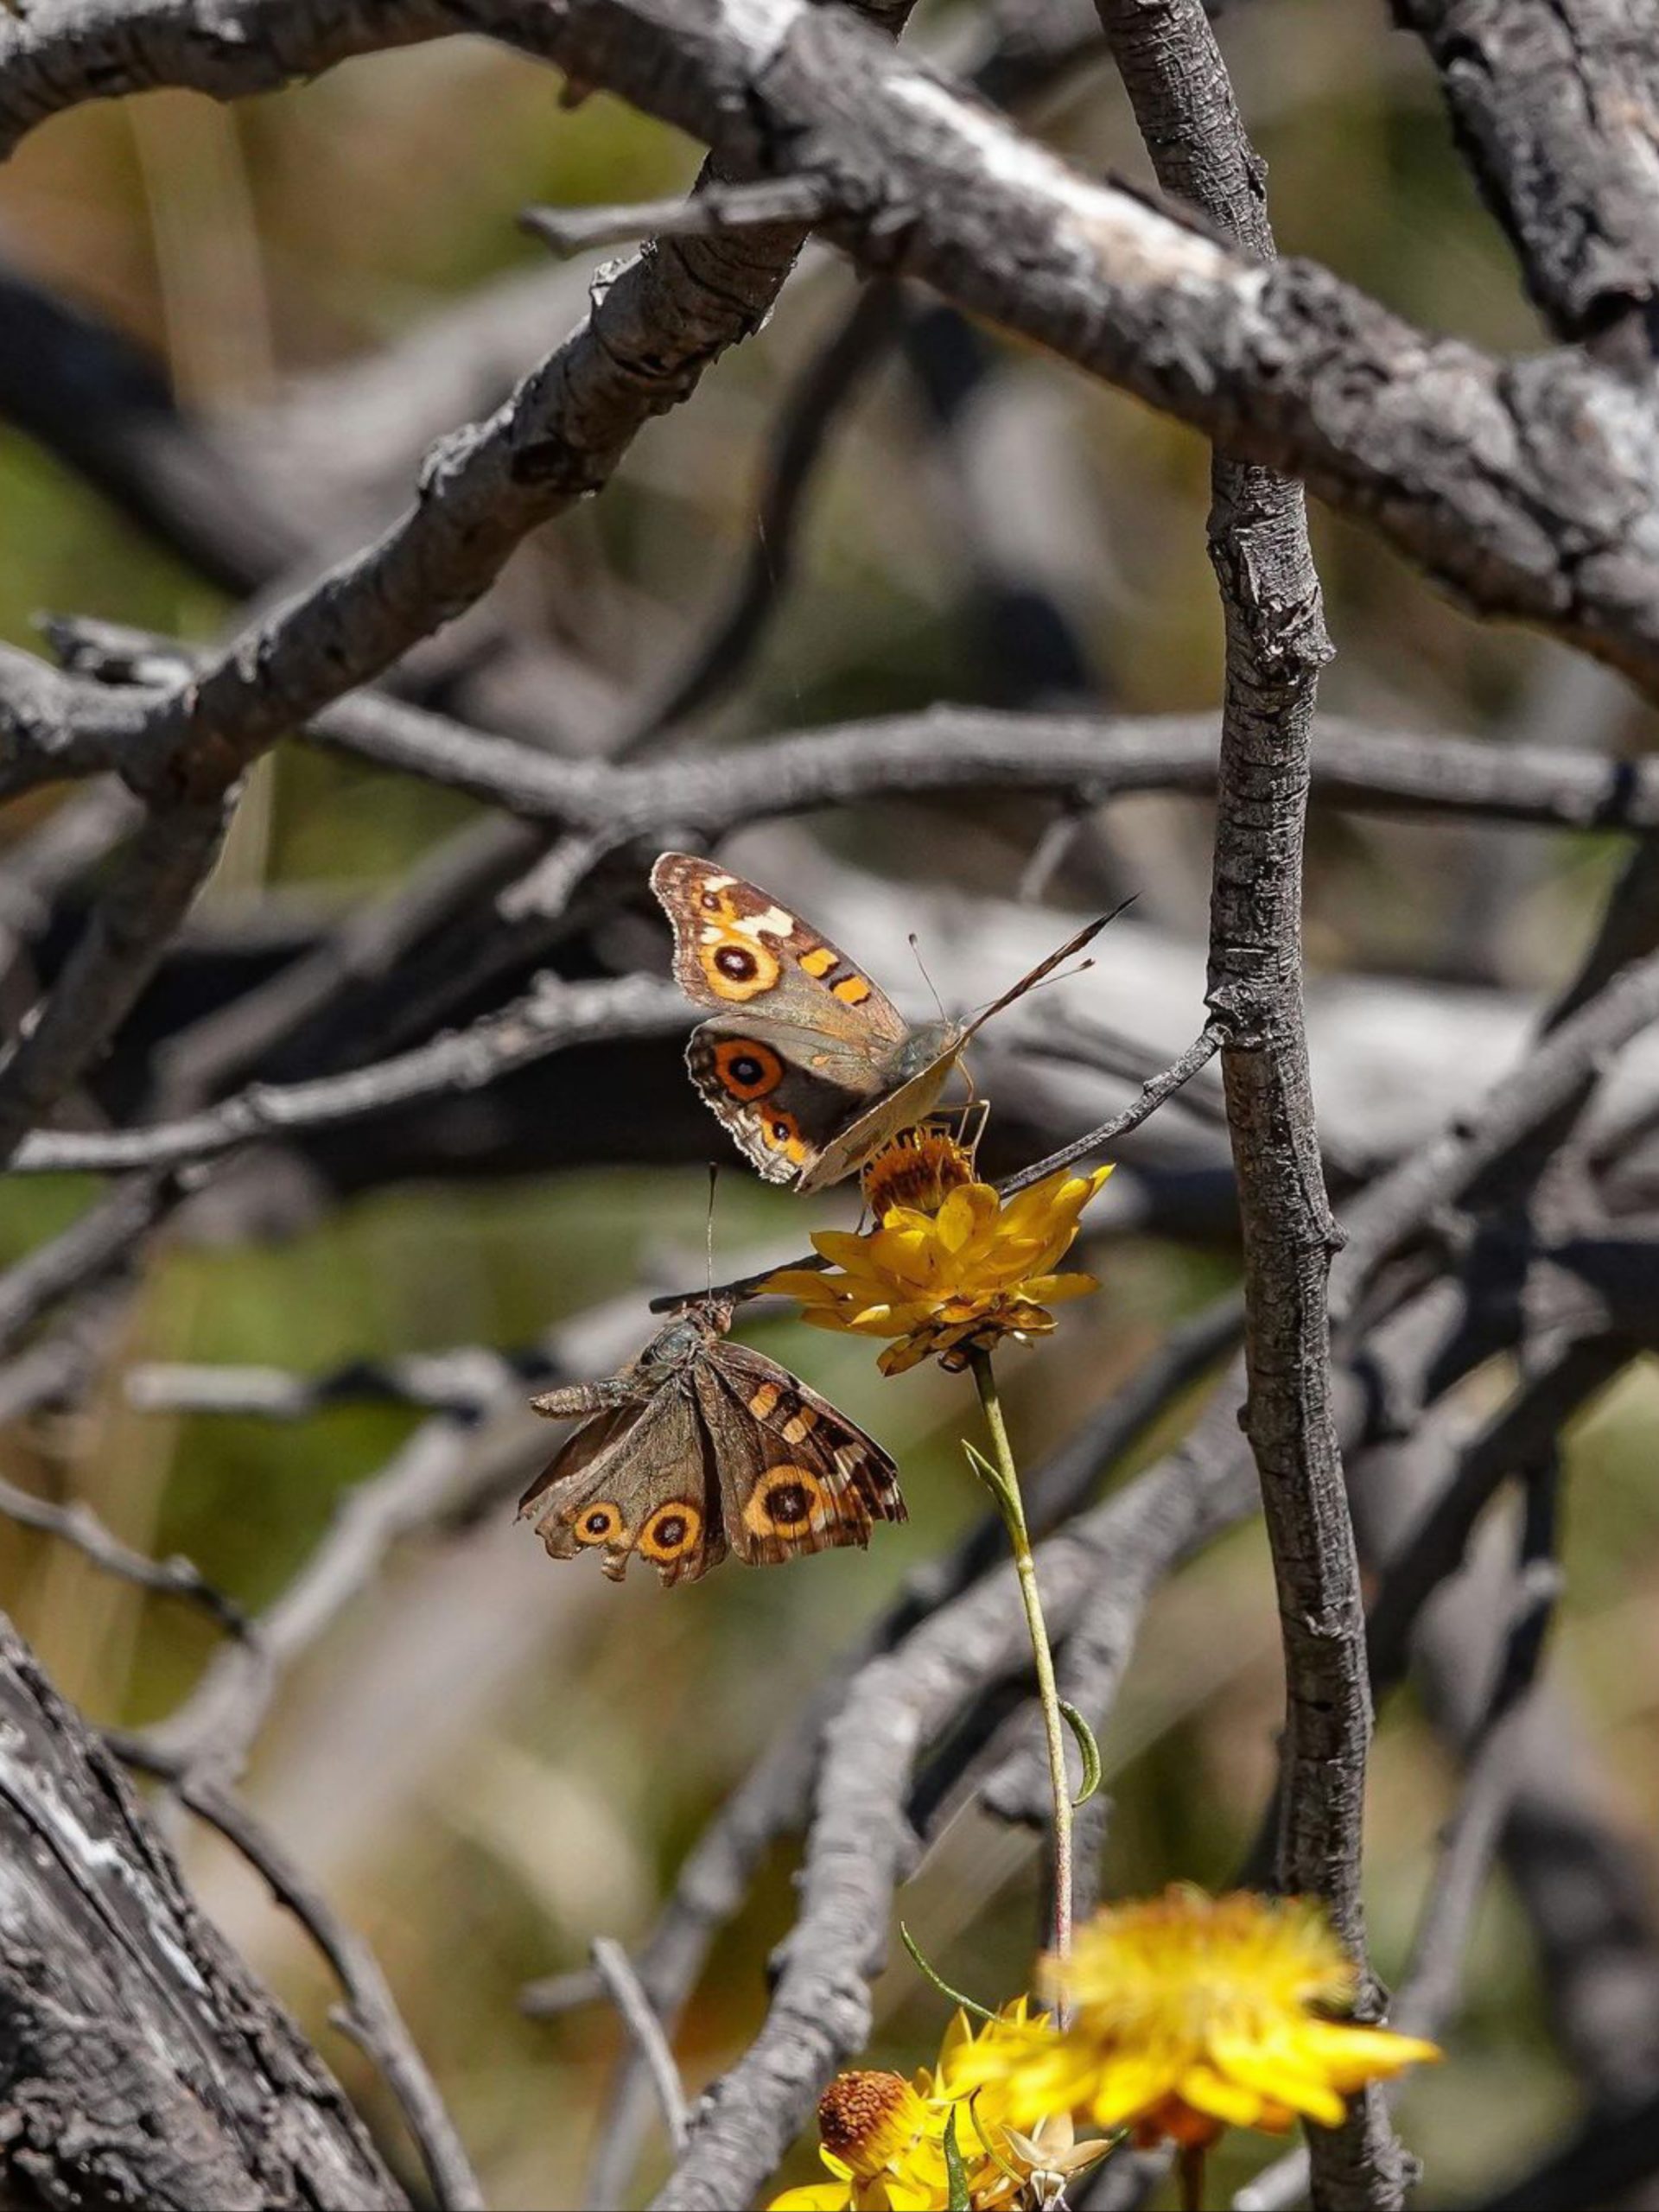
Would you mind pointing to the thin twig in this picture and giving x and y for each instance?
(77, 1524)
(549, 1018)
(794, 199)
(1276, 644)
(623, 1986)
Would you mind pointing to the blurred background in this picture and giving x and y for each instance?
(488, 1759)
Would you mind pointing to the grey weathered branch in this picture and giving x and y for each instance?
(549, 1018)
(77, 1524)
(1277, 645)
(1086, 758)
(707, 212)
(1522, 487)
(140, 2064)
(1554, 104)
(100, 1243)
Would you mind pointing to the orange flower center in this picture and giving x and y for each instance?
(919, 1169)
(865, 2118)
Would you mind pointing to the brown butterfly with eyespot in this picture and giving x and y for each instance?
(702, 1446)
(809, 1066)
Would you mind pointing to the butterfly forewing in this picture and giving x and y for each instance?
(735, 945)
(878, 1125)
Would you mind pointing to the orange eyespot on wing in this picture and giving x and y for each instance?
(598, 1523)
(736, 966)
(745, 1069)
(785, 1502)
(781, 1133)
(672, 1532)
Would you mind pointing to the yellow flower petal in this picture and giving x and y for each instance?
(1219, 2098)
(804, 1283)
(1055, 1289)
(1271, 2077)
(1352, 2055)
(816, 2196)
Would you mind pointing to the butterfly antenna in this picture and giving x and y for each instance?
(708, 1225)
(1044, 971)
(926, 978)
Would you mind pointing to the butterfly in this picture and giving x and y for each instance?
(812, 1067)
(702, 1446)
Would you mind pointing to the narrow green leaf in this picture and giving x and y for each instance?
(993, 1477)
(1091, 1749)
(955, 2172)
(978, 2012)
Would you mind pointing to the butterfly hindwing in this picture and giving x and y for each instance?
(633, 1480)
(795, 1474)
(886, 1117)
(781, 1092)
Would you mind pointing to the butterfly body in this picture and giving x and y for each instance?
(808, 1064)
(702, 1446)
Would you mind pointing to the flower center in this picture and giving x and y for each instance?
(866, 2119)
(919, 1169)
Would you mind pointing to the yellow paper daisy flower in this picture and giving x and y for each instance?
(1019, 2166)
(882, 2143)
(951, 1278)
(1192, 2013)
(882, 2139)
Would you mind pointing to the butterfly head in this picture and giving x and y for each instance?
(685, 1338)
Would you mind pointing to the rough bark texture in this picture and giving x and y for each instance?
(1277, 645)
(1555, 103)
(140, 2065)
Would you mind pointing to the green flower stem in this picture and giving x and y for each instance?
(1006, 1490)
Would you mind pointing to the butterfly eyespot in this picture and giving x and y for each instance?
(786, 1501)
(597, 1524)
(673, 1530)
(782, 1133)
(736, 968)
(747, 1070)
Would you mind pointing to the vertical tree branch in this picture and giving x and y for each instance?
(1277, 645)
